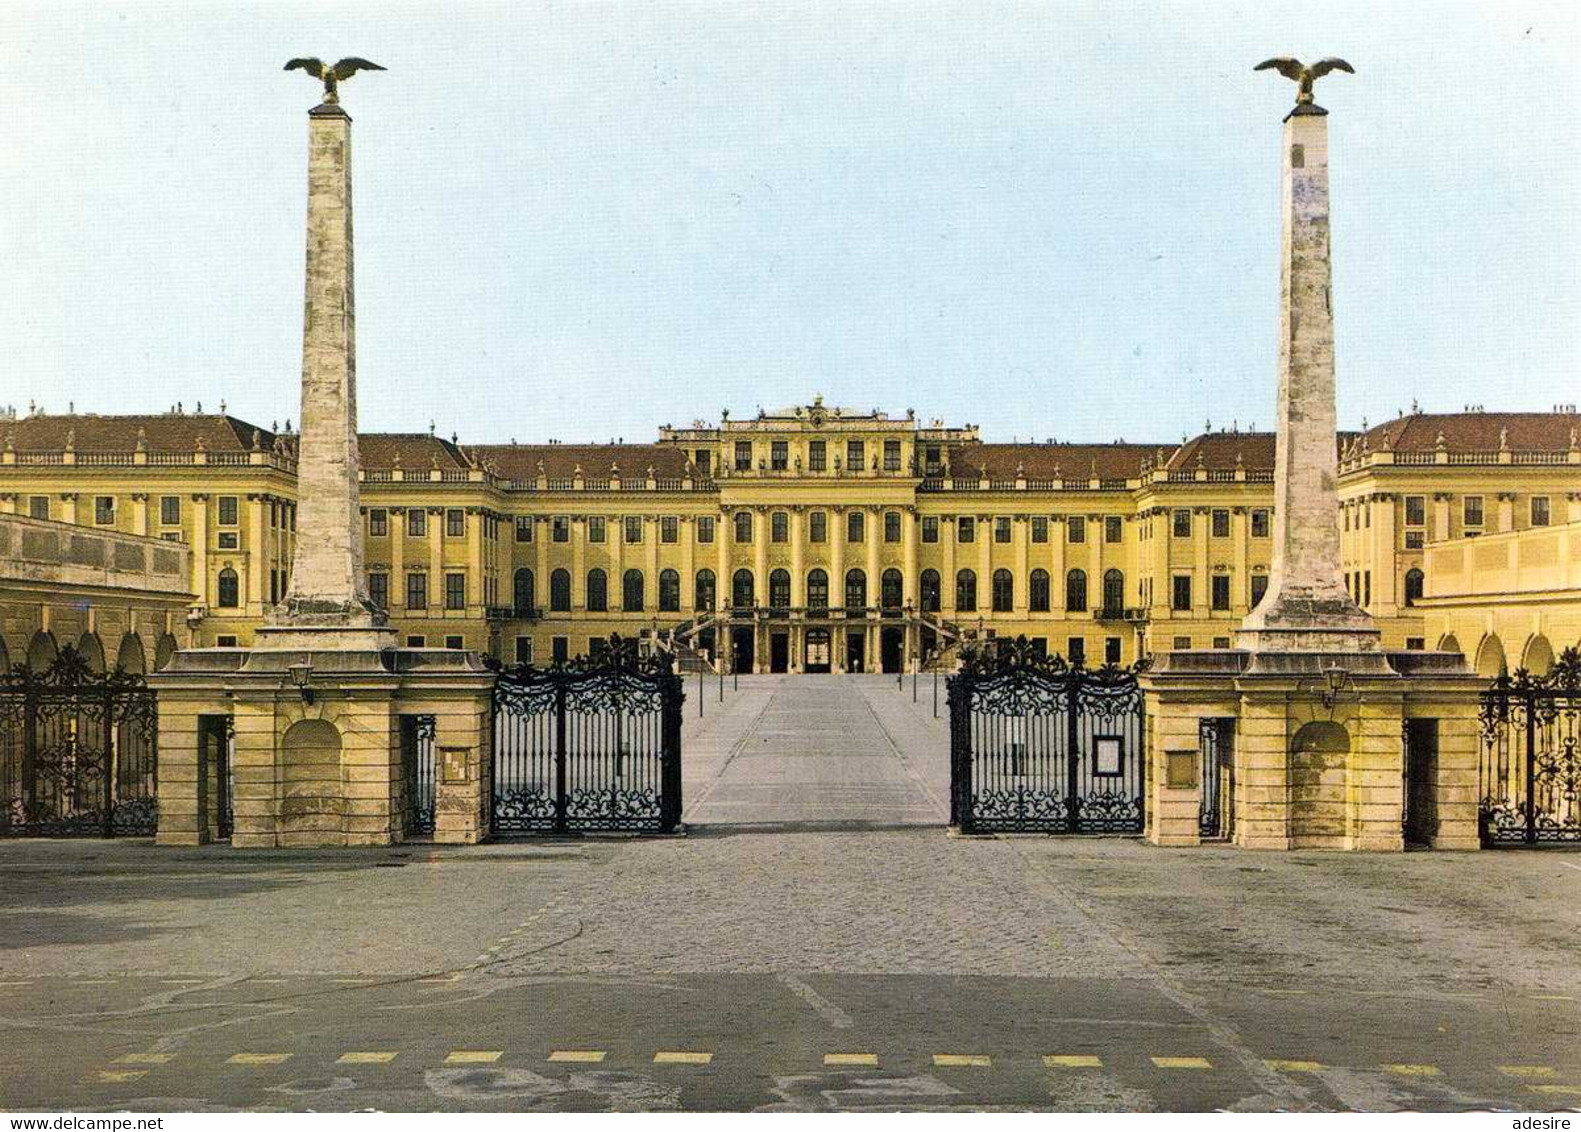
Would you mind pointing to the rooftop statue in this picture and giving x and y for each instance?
(1302, 75)
(332, 76)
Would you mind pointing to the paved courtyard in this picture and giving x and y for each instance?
(816, 942)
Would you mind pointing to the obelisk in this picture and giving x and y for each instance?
(1306, 608)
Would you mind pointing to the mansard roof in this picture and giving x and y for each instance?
(160, 432)
(1220, 451)
(414, 451)
(1476, 432)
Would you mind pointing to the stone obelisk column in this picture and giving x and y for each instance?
(1306, 608)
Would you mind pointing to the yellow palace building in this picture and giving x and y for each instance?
(812, 538)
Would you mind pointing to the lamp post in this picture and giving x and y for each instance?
(302, 677)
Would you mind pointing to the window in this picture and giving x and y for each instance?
(228, 510)
(818, 526)
(670, 529)
(1113, 529)
(855, 589)
(855, 526)
(633, 529)
(891, 526)
(1221, 523)
(1111, 650)
(779, 527)
(455, 522)
(1540, 512)
(1076, 650)
(378, 522)
(1182, 523)
(965, 529)
(932, 457)
(416, 641)
(1182, 642)
(1076, 526)
(891, 589)
(669, 591)
(1076, 591)
(230, 540)
(417, 590)
(817, 590)
(704, 461)
(455, 591)
(1038, 591)
(38, 507)
(966, 592)
(416, 522)
(378, 588)
(743, 526)
(169, 509)
(104, 509)
(743, 455)
(1002, 528)
(930, 528)
(1416, 644)
(741, 595)
(1260, 522)
(892, 455)
(455, 642)
(523, 650)
(559, 649)
(1040, 528)
(1113, 593)
(855, 455)
(1472, 511)
(930, 591)
(705, 528)
(779, 455)
(522, 595)
(1415, 510)
(817, 456)
(597, 528)
(229, 589)
(704, 588)
(597, 590)
(631, 596)
(1259, 588)
(1414, 540)
(1220, 595)
(1221, 642)
(1366, 589)
(560, 591)
(560, 528)
(1003, 593)
(226, 640)
(1180, 598)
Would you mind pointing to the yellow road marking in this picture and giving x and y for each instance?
(257, 1058)
(577, 1055)
(1413, 1070)
(1072, 1061)
(681, 1057)
(976, 1059)
(1182, 1063)
(473, 1056)
(1526, 1070)
(1557, 1090)
(144, 1058)
(367, 1057)
(1294, 1066)
(113, 1075)
(850, 1059)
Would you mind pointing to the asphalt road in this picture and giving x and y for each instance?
(816, 943)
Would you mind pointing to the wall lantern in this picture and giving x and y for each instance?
(302, 679)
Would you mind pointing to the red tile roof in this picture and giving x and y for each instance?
(1052, 461)
(520, 461)
(411, 451)
(1477, 432)
(162, 432)
(1220, 451)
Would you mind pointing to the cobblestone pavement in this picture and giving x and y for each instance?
(816, 942)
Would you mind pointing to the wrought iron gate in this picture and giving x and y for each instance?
(417, 774)
(78, 751)
(1216, 741)
(1531, 757)
(592, 744)
(1039, 745)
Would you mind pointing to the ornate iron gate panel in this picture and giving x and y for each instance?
(1216, 741)
(1531, 757)
(1038, 745)
(589, 745)
(78, 752)
(417, 773)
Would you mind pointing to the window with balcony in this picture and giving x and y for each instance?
(855, 589)
(817, 590)
(522, 595)
(779, 589)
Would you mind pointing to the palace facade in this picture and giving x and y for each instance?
(809, 539)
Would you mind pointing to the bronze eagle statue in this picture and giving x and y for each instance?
(332, 76)
(1302, 75)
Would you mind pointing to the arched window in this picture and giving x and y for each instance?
(597, 591)
(669, 591)
(1415, 583)
(230, 593)
(817, 590)
(1076, 591)
(560, 591)
(966, 592)
(743, 526)
(930, 591)
(741, 596)
(706, 592)
(779, 589)
(855, 589)
(1004, 591)
(891, 589)
(1038, 591)
(1113, 591)
(523, 592)
(631, 591)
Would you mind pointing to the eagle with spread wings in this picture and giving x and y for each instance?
(1302, 75)
(332, 76)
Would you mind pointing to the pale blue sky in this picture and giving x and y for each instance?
(583, 220)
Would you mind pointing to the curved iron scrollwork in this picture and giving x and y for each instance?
(418, 773)
(1531, 756)
(78, 751)
(1038, 744)
(588, 744)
